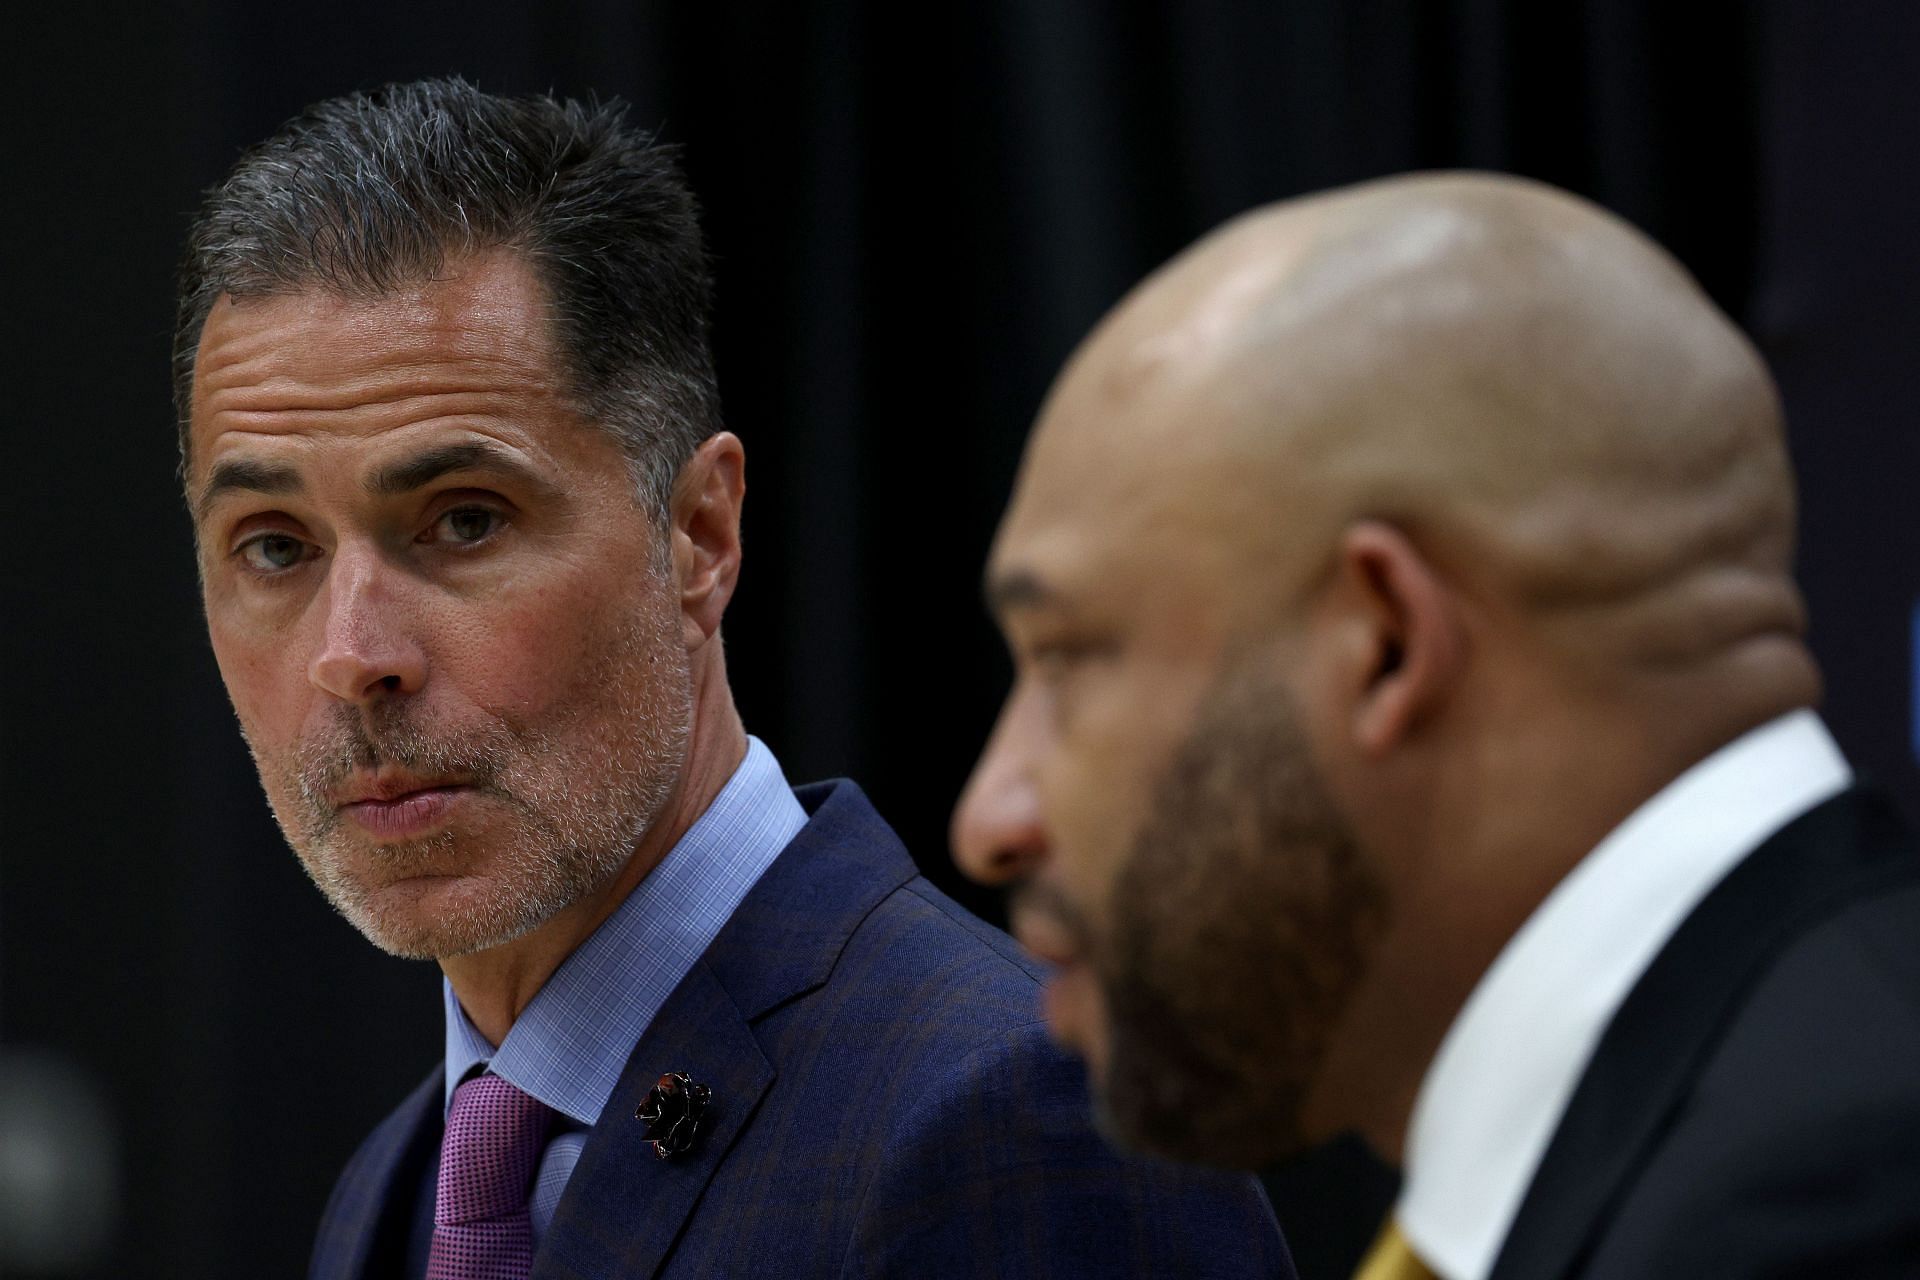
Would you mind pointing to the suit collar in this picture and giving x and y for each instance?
(624, 1207)
(1662, 1034)
(1501, 1079)
(785, 936)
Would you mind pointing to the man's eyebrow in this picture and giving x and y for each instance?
(467, 455)
(250, 475)
(1012, 589)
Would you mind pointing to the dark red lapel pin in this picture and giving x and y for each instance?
(673, 1113)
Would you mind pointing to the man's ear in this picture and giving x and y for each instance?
(705, 528)
(1401, 643)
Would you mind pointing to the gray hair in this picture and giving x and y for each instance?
(366, 194)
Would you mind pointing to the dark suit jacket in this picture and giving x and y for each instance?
(885, 1103)
(1754, 1107)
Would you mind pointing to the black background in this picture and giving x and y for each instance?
(916, 211)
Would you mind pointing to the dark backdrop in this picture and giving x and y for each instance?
(916, 211)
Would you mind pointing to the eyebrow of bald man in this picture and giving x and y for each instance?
(395, 478)
(1012, 590)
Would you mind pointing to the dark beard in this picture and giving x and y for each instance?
(1241, 922)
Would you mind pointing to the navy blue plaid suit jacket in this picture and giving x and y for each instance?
(885, 1103)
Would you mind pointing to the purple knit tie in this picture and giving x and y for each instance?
(481, 1230)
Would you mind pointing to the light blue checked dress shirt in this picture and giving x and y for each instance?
(571, 1043)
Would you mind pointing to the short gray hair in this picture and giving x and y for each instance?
(366, 194)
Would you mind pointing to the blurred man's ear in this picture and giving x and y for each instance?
(1395, 636)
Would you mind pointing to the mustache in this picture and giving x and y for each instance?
(356, 741)
(1041, 899)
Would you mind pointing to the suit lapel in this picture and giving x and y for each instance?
(1668, 1025)
(787, 934)
(366, 1225)
(624, 1207)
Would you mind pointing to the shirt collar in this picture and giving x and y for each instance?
(572, 1041)
(1496, 1089)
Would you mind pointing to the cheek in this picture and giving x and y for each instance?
(265, 678)
(1099, 784)
(518, 654)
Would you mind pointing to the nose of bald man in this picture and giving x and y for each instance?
(997, 835)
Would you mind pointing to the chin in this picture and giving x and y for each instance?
(1230, 1142)
(1154, 1095)
(412, 937)
(1075, 1018)
(436, 917)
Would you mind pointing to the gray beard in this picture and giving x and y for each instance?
(583, 796)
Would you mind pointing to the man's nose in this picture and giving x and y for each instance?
(997, 834)
(366, 649)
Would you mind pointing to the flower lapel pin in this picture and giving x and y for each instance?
(673, 1112)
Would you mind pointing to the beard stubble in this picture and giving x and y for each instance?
(572, 793)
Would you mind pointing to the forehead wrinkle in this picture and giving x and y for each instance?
(372, 415)
(276, 379)
(490, 396)
(316, 349)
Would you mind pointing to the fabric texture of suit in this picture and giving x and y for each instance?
(1753, 1109)
(885, 1103)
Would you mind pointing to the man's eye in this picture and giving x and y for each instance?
(1053, 660)
(465, 525)
(273, 552)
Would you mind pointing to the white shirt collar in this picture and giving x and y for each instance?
(1496, 1089)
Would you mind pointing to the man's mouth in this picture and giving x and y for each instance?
(394, 812)
(1048, 947)
(1046, 936)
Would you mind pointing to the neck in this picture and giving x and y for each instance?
(496, 985)
(1503, 822)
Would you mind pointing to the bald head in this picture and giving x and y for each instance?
(1369, 563)
(1529, 388)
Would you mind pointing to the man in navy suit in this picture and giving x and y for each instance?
(467, 525)
(1413, 735)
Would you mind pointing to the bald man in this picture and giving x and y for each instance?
(1412, 736)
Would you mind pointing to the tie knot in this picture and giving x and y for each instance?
(1393, 1258)
(493, 1139)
